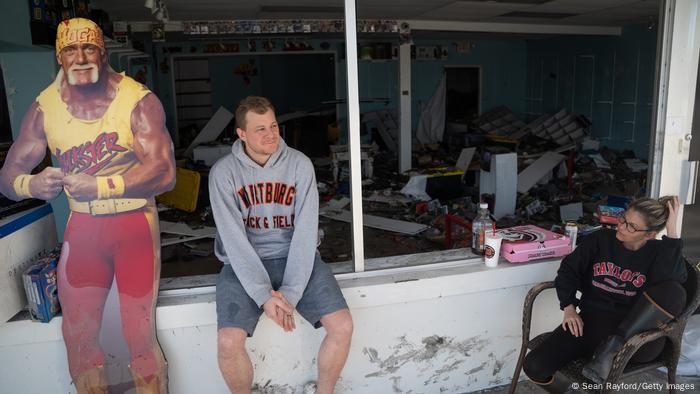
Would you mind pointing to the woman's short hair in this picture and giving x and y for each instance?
(654, 211)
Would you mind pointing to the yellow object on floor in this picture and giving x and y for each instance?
(185, 193)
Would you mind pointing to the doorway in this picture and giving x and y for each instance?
(463, 88)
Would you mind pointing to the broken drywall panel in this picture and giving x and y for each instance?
(397, 226)
(321, 161)
(336, 204)
(571, 211)
(211, 130)
(562, 128)
(538, 170)
(302, 114)
(188, 282)
(387, 124)
(501, 181)
(590, 144)
(388, 198)
(465, 158)
(636, 165)
(341, 154)
(184, 229)
(599, 161)
(210, 154)
(499, 121)
(373, 148)
(181, 239)
(530, 127)
(185, 232)
(366, 161)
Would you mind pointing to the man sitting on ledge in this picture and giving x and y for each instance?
(265, 204)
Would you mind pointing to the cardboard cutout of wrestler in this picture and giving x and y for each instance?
(108, 134)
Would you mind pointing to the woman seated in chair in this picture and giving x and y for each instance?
(630, 282)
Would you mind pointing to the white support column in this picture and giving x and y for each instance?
(358, 245)
(676, 76)
(405, 107)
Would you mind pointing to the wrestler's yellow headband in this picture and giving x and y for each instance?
(78, 31)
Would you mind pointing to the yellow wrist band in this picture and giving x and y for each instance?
(110, 187)
(21, 185)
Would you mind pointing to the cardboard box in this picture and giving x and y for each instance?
(209, 154)
(526, 243)
(40, 286)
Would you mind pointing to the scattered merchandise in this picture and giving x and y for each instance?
(609, 215)
(41, 288)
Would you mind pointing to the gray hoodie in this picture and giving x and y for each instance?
(266, 212)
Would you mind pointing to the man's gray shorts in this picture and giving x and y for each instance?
(234, 308)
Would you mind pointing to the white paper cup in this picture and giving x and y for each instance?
(492, 248)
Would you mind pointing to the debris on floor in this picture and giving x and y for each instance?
(543, 172)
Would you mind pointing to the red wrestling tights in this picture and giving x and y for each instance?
(96, 250)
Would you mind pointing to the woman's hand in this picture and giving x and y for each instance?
(573, 321)
(672, 221)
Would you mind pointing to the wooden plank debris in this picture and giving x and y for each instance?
(538, 170)
(397, 226)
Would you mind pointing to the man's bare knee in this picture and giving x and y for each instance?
(231, 341)
(338, 324)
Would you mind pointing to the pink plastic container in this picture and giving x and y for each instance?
(525, 243)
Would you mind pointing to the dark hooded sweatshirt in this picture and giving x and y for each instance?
(611, 277)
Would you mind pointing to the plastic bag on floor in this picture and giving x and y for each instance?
(689, 363)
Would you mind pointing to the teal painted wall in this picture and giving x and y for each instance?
(26, 75)
(14, 22)
(610, 80)
(502, 62)
(503, 73)
(292, 81)
(27, 71)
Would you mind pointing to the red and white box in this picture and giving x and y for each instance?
(525, 243)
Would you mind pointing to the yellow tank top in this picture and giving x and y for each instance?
(98, 147)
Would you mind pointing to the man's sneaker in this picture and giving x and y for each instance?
(309, 388)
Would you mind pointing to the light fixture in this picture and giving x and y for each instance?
(158, 9)
(651, 24)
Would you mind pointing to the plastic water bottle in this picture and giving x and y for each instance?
(481, 224)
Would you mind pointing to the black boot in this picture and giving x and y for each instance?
(644, 315)
(559, 384)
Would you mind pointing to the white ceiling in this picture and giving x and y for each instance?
(555, 12)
